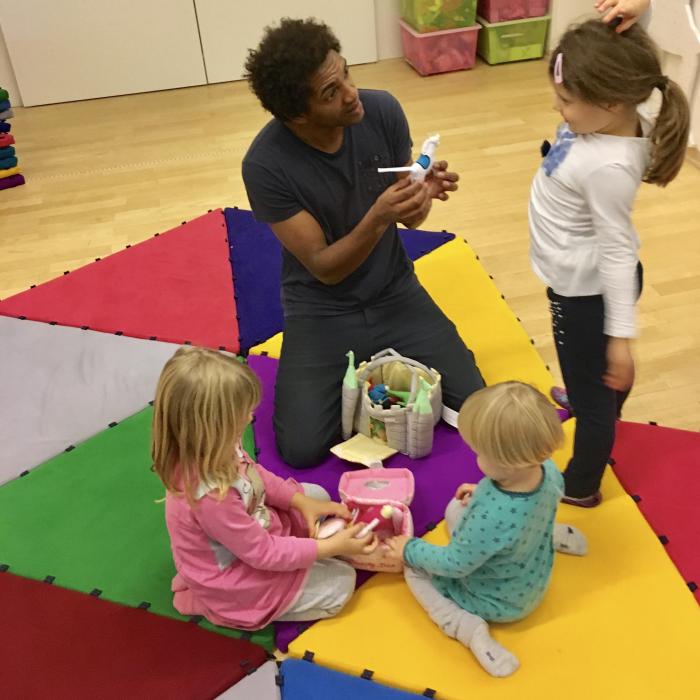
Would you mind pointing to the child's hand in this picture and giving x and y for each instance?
(345, 543)
(464, 493)
(440, 181)
(619, 374)
(313, 510)
(629, 10)
(394, 548)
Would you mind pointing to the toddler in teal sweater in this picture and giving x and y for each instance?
(498, 563)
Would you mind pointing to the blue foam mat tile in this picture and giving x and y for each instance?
(256, 259)
(303, 680)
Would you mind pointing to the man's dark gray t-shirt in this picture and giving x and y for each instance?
(283, 176)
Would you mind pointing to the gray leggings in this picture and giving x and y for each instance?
(329, 584)
(445, 613)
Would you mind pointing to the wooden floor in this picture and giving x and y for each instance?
(105, 173)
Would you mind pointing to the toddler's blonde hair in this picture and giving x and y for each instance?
(202, 406)
(511, 424)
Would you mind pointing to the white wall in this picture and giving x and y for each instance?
(386, 14)
(566, 12)
(695, 105)
(227, 33)
(81, 49)
(7, 74)
(674, 29)
(388, 44)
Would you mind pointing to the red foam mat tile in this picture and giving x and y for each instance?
(175, 287)
(61, 644)
(660, 468)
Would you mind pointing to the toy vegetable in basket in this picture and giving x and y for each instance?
(406, 423)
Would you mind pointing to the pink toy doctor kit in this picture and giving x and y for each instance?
(380, 498)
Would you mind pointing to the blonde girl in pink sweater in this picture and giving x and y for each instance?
(240, 535)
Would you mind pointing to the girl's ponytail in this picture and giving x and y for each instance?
(604, 68)
(669, 137)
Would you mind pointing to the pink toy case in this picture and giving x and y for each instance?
(367, 491)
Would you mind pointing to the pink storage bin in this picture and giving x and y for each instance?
(507, 10)
(367, 490)
(439, 52)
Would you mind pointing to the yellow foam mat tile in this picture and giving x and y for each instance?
(463, 290)
(460, 286)
(270, 347)
(618, 623)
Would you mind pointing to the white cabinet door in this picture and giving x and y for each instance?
(695, 104)
(387, 14)
(229, 28)
(80, 49)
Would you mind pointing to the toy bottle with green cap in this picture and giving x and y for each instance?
(351, 393)
(350, 379)
(419, 437)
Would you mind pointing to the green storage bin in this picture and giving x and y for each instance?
(512, 41)
(437, 15)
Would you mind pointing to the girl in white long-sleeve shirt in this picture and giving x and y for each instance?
(583, 244)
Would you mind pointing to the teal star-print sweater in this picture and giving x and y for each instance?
(499, 560)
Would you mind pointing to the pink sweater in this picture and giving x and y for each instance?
(230, 568)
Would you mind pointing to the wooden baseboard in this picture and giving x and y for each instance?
(693, 156)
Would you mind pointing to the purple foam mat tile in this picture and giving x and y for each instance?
(436, 476)
(287, 632)
(256, 260)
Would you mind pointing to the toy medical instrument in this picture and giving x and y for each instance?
(421, 167)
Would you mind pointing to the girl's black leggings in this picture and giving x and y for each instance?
(577, 325)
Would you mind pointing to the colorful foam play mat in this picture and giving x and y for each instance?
(85, 562)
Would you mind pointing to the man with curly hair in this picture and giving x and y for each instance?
(347, 283)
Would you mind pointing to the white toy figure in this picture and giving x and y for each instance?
(421, 167)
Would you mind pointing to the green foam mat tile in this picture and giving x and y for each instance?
(91, 518)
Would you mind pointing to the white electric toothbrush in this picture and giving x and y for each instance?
(421, 167)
